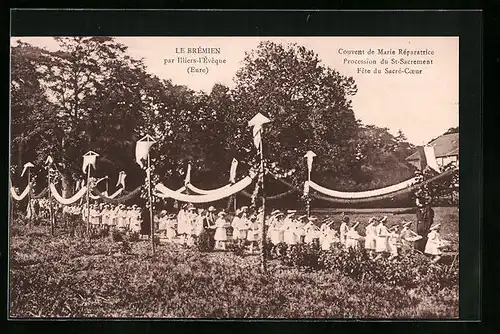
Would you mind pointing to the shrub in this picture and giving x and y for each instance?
(204, 242)
(236, 247)
(117, 236)
(133, 237)
(125, 247)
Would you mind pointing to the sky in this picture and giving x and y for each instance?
(422, 105)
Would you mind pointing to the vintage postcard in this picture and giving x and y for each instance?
(234, 177)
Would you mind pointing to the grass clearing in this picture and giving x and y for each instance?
(67, 277)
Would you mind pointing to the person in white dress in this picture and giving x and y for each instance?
(408, 238)
(370, 236)
(113, 214)
(106, 216)
(211, 216)
(95, 216)
(382, 235)
(324, 228)
(135, 219)
(392, 241)
(199, 223)
(253, 233)
(434, 243)
(125, 221)
(181, 223)
(235, 224)
(289, 229)
(190, 225)
(311, 231)
(344, 228)
(171, 227)
(162, 221)
(328, 237)
(221, 231)
(275, 227)
(300, 231)
(352, 237)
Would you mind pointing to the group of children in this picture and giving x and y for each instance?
(107, 216)
(287, 227)
(281, 227)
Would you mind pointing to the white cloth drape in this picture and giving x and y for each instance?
(205, 192)
(23, 194)
(361, 194)
(67, 201)
(164, 192)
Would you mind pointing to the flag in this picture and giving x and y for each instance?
(26, 166)
(187, 180)
(88, 160)
(257, 136)
(142, 151)
(256, 122)
(310, 156)
(121, 179)
(428, 158)
(49, 160)
(232, 172)
(431, 158)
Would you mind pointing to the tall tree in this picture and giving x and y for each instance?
(308, 103)
(94, 88)
(32, 114)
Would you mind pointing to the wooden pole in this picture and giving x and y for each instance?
(308, 203)
(151, 207)
(29, 197)
(263, 218)
(50, 204)
(88, 201)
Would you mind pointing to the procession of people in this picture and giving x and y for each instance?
(244, 228)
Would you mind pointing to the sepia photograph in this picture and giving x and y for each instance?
(286, 177)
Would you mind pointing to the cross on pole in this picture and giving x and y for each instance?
(257, 122)
(149, 139)
(27, 166)
(309, 157)
(49, 161)
(88, 161)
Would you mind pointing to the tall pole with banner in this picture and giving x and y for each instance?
(89, 159)
(142, 151)
(232, 179)
(27, 167)
(256, 122)
(48, 163)
(309, 156)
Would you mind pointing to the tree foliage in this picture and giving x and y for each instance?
(91, 95)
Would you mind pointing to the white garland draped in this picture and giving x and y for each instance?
(23, 194)
(67, 201)
(164, 192)
(360, 194)
(206, 192)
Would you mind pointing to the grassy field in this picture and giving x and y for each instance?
(68, 277)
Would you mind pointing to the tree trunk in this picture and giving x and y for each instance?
(20, 151)
(67, 185)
